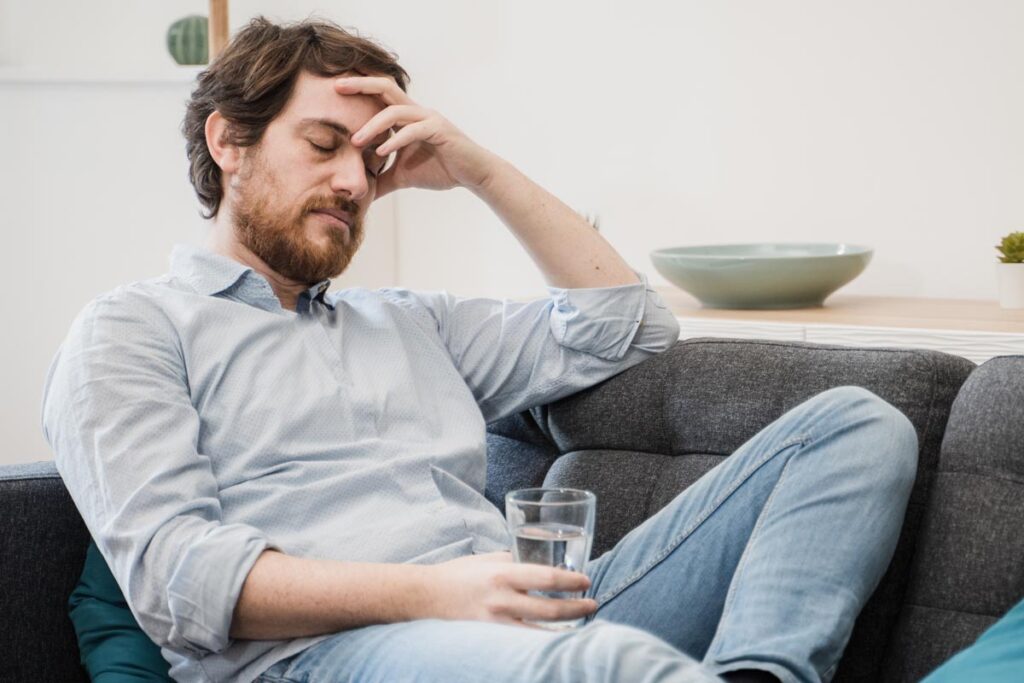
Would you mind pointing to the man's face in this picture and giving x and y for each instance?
(300, 195)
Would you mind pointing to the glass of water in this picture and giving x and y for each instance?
(553, 527)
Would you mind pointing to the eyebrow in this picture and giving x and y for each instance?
(339, 128)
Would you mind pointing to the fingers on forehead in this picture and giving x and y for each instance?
(385, 86)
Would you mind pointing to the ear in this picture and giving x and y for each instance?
(226, 155)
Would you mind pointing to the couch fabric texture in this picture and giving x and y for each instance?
(640, 438)
(969, 566)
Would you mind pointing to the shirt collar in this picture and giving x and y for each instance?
(207, 272)
(210, 273)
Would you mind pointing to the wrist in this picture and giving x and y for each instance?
(494, 173)
(419, 593)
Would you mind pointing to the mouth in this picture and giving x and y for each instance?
(336, 218)
(343, 216)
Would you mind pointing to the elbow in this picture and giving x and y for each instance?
(661, 333)
(191, 633)
(175, 626)
(672, 330)
(193, 612)
(659, 329)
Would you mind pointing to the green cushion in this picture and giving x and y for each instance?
(997, 656)
(113, 647)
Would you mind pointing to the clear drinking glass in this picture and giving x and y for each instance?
(553, 527)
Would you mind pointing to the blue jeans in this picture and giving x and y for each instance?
(764, 563)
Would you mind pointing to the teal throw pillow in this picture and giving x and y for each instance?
(998, 655)
(113, 647)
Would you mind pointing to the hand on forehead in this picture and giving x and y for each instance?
(316, 101)
(376, 85)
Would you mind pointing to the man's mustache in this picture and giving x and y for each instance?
(340, 203)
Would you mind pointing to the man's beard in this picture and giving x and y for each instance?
(280, 238)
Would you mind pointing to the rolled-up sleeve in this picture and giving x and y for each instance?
(608, 321)
(117, 414)
(515, 355)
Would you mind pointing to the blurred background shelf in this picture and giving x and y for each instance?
(23, 75)
(974, 329)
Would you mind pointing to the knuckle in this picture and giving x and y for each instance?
(493, 606)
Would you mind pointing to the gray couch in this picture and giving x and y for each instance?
(643, 436)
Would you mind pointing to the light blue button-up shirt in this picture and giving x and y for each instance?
(197, 423)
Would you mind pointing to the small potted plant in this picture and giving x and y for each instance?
(187, 40)
(1011, 271)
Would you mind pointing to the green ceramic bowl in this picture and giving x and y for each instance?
(771, 275)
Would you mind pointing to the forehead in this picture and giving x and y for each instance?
(314, 97)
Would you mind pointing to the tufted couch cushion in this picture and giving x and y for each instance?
(640, 438)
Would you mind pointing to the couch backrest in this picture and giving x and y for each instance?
(42, 549)
(969, 566)
(637, 440)
(640, 438)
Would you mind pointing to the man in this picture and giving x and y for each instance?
(287, 484)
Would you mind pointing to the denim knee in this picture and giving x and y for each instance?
(896, 459)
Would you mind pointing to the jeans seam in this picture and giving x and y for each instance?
(731, 595)
(682, 535)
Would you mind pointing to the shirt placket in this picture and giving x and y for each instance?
(314, 326)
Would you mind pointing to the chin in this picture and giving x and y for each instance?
(320, 231)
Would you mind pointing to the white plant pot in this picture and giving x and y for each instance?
(1011, 284)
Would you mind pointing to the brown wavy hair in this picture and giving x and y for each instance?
(252, 79)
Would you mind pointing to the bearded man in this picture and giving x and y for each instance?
(288, 483)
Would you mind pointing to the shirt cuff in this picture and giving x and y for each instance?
(204, 589)
(601, 321)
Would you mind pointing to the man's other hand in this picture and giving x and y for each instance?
(431, 152)
(492, 587)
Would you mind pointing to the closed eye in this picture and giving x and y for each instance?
(374, 164)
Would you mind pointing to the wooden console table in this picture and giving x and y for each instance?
(977, 330)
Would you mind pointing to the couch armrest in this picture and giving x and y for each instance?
(969, 566)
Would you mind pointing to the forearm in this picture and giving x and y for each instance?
(291, 597)
(434, 154)
(567, 250)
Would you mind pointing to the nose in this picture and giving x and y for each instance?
(348, 175)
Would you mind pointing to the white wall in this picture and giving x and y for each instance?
(894, 123)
